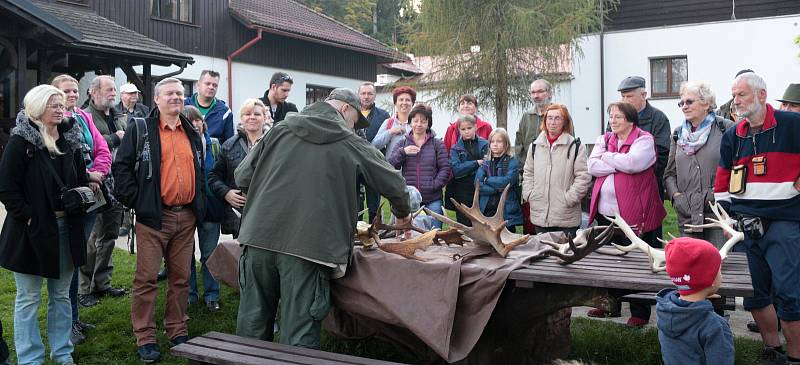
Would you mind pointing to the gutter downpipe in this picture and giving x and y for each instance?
(602, 72)
(230, 62)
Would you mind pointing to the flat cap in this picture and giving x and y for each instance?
(791, 95)
(630, 83)
(348, 96)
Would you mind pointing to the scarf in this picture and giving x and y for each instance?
(690, 142)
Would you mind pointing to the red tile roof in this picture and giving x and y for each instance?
(291, 19)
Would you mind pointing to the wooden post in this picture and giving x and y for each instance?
(147, 80)
(43, 73)
(22, 70)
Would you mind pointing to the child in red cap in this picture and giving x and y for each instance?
(688, 329)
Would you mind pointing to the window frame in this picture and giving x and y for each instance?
(670, 93)
(315, 87)
(156, 4)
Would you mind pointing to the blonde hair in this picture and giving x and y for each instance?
(500, 132)
(58, 80)
(35, 103)
(251, 104)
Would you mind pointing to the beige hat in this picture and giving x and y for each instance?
(128, 88)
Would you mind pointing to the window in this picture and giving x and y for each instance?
(188, 87)
(667, 74)
(315, 93)
(177, 10)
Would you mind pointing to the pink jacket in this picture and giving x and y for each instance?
(632, 190)
(101, 153)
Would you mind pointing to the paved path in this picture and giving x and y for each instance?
(738, 318)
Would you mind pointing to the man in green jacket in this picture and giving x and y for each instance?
(298, 224)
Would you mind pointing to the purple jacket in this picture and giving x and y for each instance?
(428, 171)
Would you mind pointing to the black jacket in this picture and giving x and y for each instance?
(143, 194)
(280, 112)
(29, 191)
(376, 117)
(221, 181)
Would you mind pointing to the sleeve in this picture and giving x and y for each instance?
(718, 345)
(498, 183)
(528, 174)
(480, 178)
(125, 180)
(12, 185)
(661, 136)
(379, 176)
(290, 107)
(595, 165)
(461, 168)
(671, 172)
(723, 178)
(640, 157)
(583, 181)
(383, 137)
(519, 138)
(398, 156)
(442, 164)
(450, 136)
(102, 155)
(217, 176)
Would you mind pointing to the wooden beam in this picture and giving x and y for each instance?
(43, 71)
(147, 90)
(22, 70)
(132, 76)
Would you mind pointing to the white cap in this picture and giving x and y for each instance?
(128, 88)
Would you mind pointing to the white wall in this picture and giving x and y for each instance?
(714, 51)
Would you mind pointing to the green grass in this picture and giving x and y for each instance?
(112, 342)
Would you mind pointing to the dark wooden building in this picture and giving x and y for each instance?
(637, 14)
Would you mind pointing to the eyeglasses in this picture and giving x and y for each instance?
(56, 106)
(687, 102)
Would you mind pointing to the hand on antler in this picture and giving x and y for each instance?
(725, 222)
(588, 240)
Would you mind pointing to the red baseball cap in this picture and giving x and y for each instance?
(692, 264)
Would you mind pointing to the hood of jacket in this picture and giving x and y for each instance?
(319, 123)
(676, 316)
(68, 129)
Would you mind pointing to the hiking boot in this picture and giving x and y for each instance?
(75, 335)
(601, 313)
(83, 326)
(178, 340)
(87, 300)
(770, 356)
(111, 292)
(149, 353)
(636, 322)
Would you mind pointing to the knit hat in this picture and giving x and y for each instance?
(692, 264)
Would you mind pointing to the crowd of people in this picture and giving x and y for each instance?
(189, 166)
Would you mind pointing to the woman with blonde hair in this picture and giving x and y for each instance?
(254, 122)
(499, 170)
(42, 237)
(555, 178)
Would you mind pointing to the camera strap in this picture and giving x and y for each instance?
(55, 175)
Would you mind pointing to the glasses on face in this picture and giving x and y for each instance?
(56, 107)
(687, 102)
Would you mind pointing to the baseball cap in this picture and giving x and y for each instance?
(128, 88)
(630, 83)
(692, 264)
(348, 96)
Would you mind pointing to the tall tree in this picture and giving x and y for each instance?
(380, 19)
(495, 48)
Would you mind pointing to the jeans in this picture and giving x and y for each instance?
(208, 236)
(436, 206)
(27, 339)
(88, 224)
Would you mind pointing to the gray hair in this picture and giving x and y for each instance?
(703, 91)
(753, 80)
(97, 82)
(466, 118)
(546, 83)
(168, 80)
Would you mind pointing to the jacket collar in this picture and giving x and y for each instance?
(68, 129)
(564, 138)
(769, 122)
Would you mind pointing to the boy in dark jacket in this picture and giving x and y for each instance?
(688, 329)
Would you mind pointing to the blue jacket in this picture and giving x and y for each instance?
(460, 163)
(493, 179)
(214, 206)
(691, 333)
(219, 119)
(375, 117)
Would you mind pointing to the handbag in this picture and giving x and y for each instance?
(75, 200)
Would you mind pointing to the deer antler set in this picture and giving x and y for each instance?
(586, 241)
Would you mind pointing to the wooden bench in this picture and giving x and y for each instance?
(227, 349)
(720, 303)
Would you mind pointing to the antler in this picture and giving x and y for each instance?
(725, 222)
(488, 231)
(658, 261)
(409, 247)
(588, 241)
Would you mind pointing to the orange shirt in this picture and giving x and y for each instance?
(177, 166)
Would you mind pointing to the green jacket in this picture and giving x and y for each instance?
(301, 186)
(527, 132)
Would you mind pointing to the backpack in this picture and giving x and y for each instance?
(142, 147)
(575, 142)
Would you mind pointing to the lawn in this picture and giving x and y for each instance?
(112, 342)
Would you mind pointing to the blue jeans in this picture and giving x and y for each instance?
(27, 339)
(208, 236)
(436, 206)
(88, 224)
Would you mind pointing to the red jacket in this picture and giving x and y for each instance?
(452, 134)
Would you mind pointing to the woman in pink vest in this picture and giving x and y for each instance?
(623, 162)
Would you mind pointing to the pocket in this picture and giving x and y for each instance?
(322, 295)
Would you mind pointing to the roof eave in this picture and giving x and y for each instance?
(181, 61)
(34, 14)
